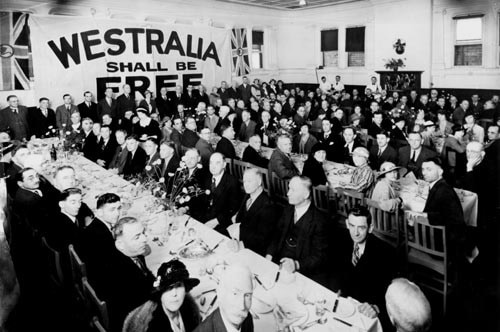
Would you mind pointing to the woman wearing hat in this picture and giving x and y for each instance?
(313, 167)
(148, 102)
(383, 192)
(170, 308)
(146, 127)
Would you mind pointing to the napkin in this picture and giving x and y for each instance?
(234, 231)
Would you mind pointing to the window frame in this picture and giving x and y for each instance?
(364, 46)
(323, 52)
(456, 43)
(259, 51)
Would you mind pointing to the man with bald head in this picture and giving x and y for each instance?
(408, 308)
(234, 294)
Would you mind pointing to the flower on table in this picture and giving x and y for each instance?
(207, 192)
(184, 190)
(199, 165)
(161, 180)
(157, 162)
(148, 168)
(172, 174)
(187, 199)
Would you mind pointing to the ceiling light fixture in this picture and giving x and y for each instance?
(302, 3)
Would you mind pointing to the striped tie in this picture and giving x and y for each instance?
(355, 255)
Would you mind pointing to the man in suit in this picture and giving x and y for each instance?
(41, 119)
(247, 127)
(14, 119)
(189, 99)
(162, 103)
(107, 105)
(328, 139)
(459, 113)
(382, 151)
(153, 162)
(300, 244)
(257, 215)
(176, 136)
(361, 254)
(347, 146)
(175, 98)
(280, 161)
(233, 93)
(106, 147)
(124, 103)
(223, 92)
(90, 142)
(136, 157)
(224, 198)
(120, 155)
(211, 120)
(19, 155)
(412, 156)
(88, 109)
(189, 136)
(64, 111)
(225, 145)
(245, 90)
(376, 126)
(169, 161)
(253, 153)
(204, 147)
(234, 294)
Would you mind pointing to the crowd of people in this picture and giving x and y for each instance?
(383, 135)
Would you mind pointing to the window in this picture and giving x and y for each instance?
(468, 41)
(330, 47)
(355, 46)
(257, 46)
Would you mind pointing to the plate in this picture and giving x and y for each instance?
(196, 250)
(345, 308)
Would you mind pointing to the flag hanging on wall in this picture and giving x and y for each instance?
(239, 47)
(16, 64)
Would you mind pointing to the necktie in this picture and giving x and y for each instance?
(38, 192)
(45, 113)
(414, 157)
(213, 185)
(355, 255)
(249, 203)
(68, 108)
(379, 152)
(14, 110)
(141, 265)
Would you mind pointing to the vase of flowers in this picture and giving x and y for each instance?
(394, 64)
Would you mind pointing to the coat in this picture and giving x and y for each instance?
(16, 123)
(205, 149)
(311, 141)
(89, 111)
(39, 124)
(63, 116)
(246, 131)
(313, 169)
(189, 138)
(253, 157)
(389, 154)
(103, 107)
(384, 194)
(135, 165)
(124, 104)
(282, 165)
(119, 159)
(106, 152)
(404, 155)
(226, 147)
(214, 323)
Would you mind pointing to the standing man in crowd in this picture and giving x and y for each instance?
(14, 118)
(41, 119)
(64, 111)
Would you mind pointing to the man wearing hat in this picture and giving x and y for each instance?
(474, 131)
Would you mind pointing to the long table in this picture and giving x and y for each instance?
(300, 297)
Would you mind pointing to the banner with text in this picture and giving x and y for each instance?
(73, 55)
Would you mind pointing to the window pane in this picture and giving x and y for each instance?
(469, 29)
(355, 39)
(468, 55)
(331, 59)
(329, 40)
(256, 59)
(257, 37)
(356, 59)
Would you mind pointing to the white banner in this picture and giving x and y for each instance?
(76, 54)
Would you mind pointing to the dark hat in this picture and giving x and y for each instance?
(170, 273)
(470, 113)
(398, 119)
(441, 111)
(317, 147)
(142, 110)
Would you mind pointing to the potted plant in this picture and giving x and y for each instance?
(394, 64)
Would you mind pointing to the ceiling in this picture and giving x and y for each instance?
(288, 4)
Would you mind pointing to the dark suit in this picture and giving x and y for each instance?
(245, 92)
(311, 241)
(89, 111)
(246, 131)
(174, 100)
(226, 147)
(90, 147)
(63, 116)
(253, 157)
(16, 123)
(404, 155)
(205, 149)
(176, 138)
(214, 323)
(119, 159)
(124, 104)
(144, 104)
(103, 107)
(313, 169)
(106, 152)
(135, 164)
(34, 209)
(282, 165)
(155, 169)
(39, 124)
(62, 231)
(189, 138)
(233, 93)
(224, 95)
(189, 101)
(163, 106)
(257, 225)
(311, 141)
(343, 154)
(329, 143)
(389, 154)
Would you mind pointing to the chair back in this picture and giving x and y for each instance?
(346, 199)
(266, 183)
(385, 223)
(78, 271)
(96, 307)
(96, 324)
(321, 198)
(279, 189)
(239, 168)
(53, 260)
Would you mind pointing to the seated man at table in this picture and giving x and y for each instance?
(225, 145)
(253, 152)
(347, 146)
(300, 243)
(18, 159)
(362, 177)
(189, 136)
(382, 151)
(412, 156)
(407, 307)
(136, 157)
(361, 255)
(120, 155)
(280, 162)
(106, 147)
(224, 199)
(257, 215)
(235, 300)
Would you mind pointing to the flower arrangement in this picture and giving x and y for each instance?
(394, 64)
(51, 132)
(283, 126)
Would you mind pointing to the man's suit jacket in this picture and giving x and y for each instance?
(226, 147)
(174, 100)
(18, 124)
(119, 159)
(189, 138)
(155, 169)
(343, 155)
(90, 147)
(106, 152)
(214, 323)
(458, 115)
(89, 111)
(282, 165)
(246, 131)
(39, 124)
(62, 231)
(389, 154)
(330, 144)
(233, 93)
(104, 108)
(124, 104)
(312, 244)
(189, 101)
(35, 210)
(311, 141)
(63, 116)
(205, 149)
(224, 95)
(258, 224)
(135, 164)
(176, 138)
(163, 106)
(245, 92)
(404, 155)
(253, 157)
(211, 123)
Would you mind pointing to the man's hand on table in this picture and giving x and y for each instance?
(101, 162)
(212, 223)
(289, 265)
(369, 310)
(269, 257)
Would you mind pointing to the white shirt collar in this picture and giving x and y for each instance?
(218, 178)
(73, 219)
(229, 326)
(382, 149)
(300, 211)
(256, 194)
(361, 248)
(433, 183)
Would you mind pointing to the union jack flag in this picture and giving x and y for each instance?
(239, 46)
(16, 63)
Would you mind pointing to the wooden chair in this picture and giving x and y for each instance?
(265, 179)
(385, 224)
(96, 324)
(279, 189)
(346, 199)
(97, 308)
(321, 198)
(53, 260)
(239, 168)
(427, 254)
(78, 271)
